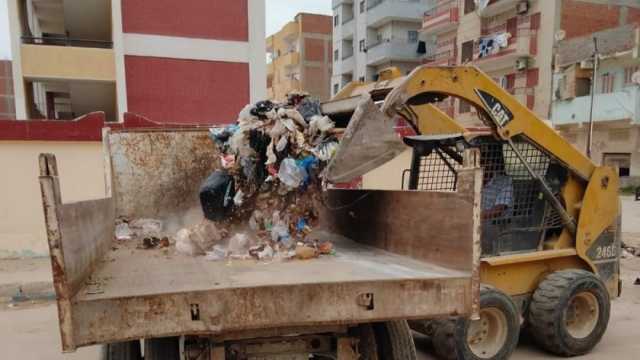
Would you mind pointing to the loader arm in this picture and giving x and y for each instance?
(508, 117)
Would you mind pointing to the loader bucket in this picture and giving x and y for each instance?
(369, 142)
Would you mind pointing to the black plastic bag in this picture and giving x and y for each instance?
(216, 195)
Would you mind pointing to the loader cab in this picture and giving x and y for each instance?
(515, 217)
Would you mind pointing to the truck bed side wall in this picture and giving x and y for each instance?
(436, 227)
(157, 173)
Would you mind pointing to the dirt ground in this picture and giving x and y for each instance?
(29, 331)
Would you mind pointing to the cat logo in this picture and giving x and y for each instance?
(500, 114)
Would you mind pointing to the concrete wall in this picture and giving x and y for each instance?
(22, 229)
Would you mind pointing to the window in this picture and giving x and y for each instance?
(628, 74)
(413, 36)
(336, 20)
(622, 162)
(363, 48)
(336, 88)
(464, 106)
(336, 55)
(469, 6)
(361, 6)
(607, 83)
(467, 52)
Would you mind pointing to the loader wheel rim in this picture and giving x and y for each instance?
(488, 335)
(581, 315)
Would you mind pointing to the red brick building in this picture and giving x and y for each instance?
(195, 61)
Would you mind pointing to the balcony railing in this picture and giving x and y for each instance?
(380, 12)
(373, 3)
(392, 50)
(442, 58)
(442, 17)
(623, 104)
(65, 41)
(495, 7)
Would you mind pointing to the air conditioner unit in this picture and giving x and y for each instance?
(522, 64)
(522, 7)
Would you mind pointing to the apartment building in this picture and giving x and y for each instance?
(7, 102)
(616, 100)
(174, 62)
(299, 57)
(370, 35)
(513, 41)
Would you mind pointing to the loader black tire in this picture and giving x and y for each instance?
(496, 333)
(391, 340)
(569, 312)
(128, 350)
(162, 349)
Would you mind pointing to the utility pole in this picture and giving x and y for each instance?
(594, 77)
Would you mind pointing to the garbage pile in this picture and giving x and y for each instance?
(263, 202)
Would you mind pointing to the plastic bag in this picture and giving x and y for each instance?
(216, 195)
(290, 173)
(123, 232)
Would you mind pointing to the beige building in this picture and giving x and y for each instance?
(515, 42)
(299, 57)
(616, 100)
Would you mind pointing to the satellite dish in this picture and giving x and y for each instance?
(635, 77)
(560, 35)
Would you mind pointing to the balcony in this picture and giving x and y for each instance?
(347, 65)
(620, 105)
(290, 59)
(523, 45)
(380, 12)
(392, 50)
(441, 58)
(335, 3)
(348, 29)
(496, 7)
(441, 18)
(67, 63)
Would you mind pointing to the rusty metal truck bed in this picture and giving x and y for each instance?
(390, 261)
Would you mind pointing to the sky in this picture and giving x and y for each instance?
(278, 13)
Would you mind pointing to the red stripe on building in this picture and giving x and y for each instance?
(85, 128)
(207, 19)
(186, 91)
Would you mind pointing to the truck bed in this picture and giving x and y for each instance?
(399, 254)
(130, 272)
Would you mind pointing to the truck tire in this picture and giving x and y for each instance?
(569, 312)
(494, 336)
(162, 349)
(128, 350)
(391, 340)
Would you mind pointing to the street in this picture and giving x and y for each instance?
(30, 331)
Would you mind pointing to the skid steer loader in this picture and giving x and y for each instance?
(549, 235)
